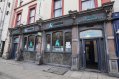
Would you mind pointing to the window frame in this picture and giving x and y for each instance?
(62, 40)
(49, 33)
(18, 13)
(80, 4)
(32, 7)
(53, 8)
(27, 36)
(51, 46)
(26, 43)
(65, 41)
(60, 8)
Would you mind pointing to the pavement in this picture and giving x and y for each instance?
(11, 69)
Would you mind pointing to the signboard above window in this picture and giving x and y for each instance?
(91, 34)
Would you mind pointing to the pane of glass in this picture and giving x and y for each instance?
(32, 20)
(31, 43)
(58, 12)
(19, 17)
(68, 41)
(57, 42)
(32, 12)
(88, 4)
(48, 40)
(25, 43)
(58, 4)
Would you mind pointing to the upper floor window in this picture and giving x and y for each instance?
(18, 19)
(57, 8)
(32, 15)
(88, 4)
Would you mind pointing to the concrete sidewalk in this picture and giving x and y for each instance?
(26, 70)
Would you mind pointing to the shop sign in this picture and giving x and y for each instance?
(30, 29)
(55, 24)
(91, 34)
(15, 32)
(91, 18)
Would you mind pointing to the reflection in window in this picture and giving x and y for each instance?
(57, 42)
(32, 15)
(18, 19)
(48, 40)
(87, 4)
(31, 43)
(57, 8)
(68, 42)
(25, 43)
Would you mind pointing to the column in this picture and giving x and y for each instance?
(112, 58)
(75, 48)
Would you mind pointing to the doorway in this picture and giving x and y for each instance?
(15, 45)
(91, 54)
(92, 50)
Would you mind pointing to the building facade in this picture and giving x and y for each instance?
(5, 12)
(115, 21)
(54, 32)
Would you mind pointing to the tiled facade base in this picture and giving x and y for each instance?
(29, 56)
(39, 59)
(113, 67)
(57, 58)
(75, 63)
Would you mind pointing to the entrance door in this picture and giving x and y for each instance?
(91, 53)
(14, 50)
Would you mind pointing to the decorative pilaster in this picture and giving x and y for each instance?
(75, 48)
